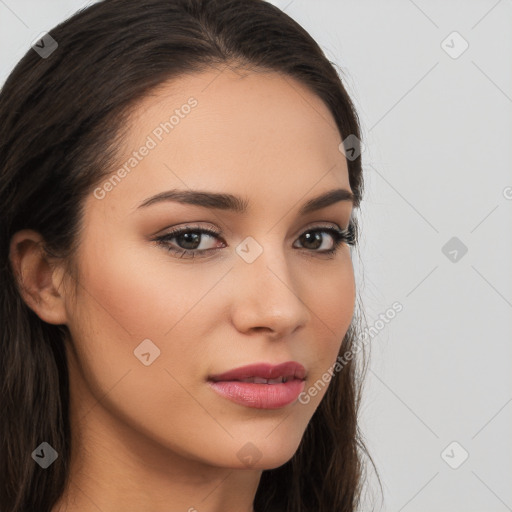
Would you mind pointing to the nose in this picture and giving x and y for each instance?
(268, 296)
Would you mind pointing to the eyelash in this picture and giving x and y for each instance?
(339, 236)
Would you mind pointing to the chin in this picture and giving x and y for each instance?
(268, 451)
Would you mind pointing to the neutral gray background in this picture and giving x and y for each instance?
(438, 157)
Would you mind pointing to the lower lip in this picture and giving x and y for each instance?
(260, 396)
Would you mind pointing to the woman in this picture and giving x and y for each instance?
(178, 187)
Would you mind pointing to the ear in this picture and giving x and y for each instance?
(39, 282)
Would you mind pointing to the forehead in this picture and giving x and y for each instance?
(246, 132)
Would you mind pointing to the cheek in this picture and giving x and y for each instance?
(332, 309)
(141, 291)
(335, 302)
(331, 299)
(129, 296)
(136, 293)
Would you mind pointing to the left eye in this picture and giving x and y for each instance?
(188, 240)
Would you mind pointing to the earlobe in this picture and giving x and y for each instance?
(39, 282)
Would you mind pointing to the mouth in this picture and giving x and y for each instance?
(261, 386)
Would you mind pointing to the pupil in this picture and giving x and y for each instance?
(317, 238)
(193, 238)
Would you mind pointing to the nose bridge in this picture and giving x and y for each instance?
(267, 291)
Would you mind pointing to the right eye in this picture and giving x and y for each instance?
(190, 237)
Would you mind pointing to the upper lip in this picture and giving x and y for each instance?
(290, 369)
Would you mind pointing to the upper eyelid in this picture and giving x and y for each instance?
(189, 227)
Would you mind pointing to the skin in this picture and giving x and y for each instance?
(157, 438)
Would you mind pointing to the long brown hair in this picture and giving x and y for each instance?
(61, 119)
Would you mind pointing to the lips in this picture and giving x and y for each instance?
(261, 386)
(263, 373)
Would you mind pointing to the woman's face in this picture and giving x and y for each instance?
(151, 326)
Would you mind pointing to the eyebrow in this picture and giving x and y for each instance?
(240, 205)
